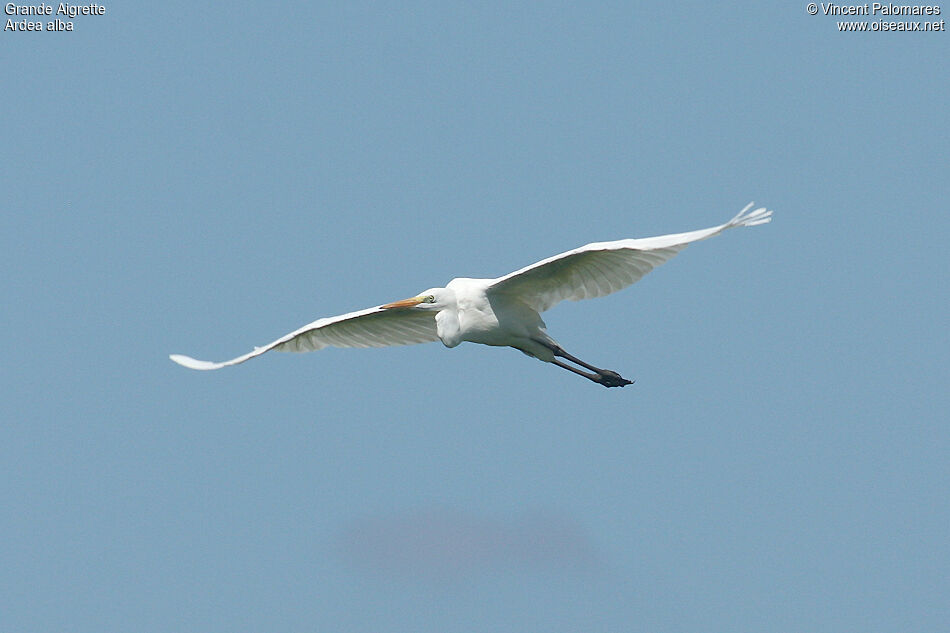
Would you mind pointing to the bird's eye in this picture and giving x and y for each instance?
(430, 299)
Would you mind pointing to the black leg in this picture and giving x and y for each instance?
(594, 377)
(604, 377)
(559, 351)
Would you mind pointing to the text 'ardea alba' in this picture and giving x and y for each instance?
(503, 311)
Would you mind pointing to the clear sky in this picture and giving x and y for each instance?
(201, 178)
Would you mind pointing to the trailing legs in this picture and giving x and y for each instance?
(604, 377)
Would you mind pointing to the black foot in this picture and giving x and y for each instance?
(612, 379)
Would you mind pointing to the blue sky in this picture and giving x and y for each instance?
(202, 178)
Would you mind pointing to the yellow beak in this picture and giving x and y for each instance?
(405, 303)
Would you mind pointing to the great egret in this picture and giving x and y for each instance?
(499, 312)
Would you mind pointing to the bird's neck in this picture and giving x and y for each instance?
(448, 327)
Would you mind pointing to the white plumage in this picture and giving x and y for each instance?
(503, 311)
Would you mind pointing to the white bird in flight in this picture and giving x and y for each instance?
(503, 312)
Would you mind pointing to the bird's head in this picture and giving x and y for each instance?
(431, 299)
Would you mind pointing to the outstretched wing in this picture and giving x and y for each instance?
(601, 268)
(373, 327)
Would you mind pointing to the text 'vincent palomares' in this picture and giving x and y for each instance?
(878, 8)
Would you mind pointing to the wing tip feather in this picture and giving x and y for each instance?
(193, 363)
(751, 218)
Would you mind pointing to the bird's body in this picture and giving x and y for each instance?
(496, 319)
(502, 312)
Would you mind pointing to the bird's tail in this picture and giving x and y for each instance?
(750, 218)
